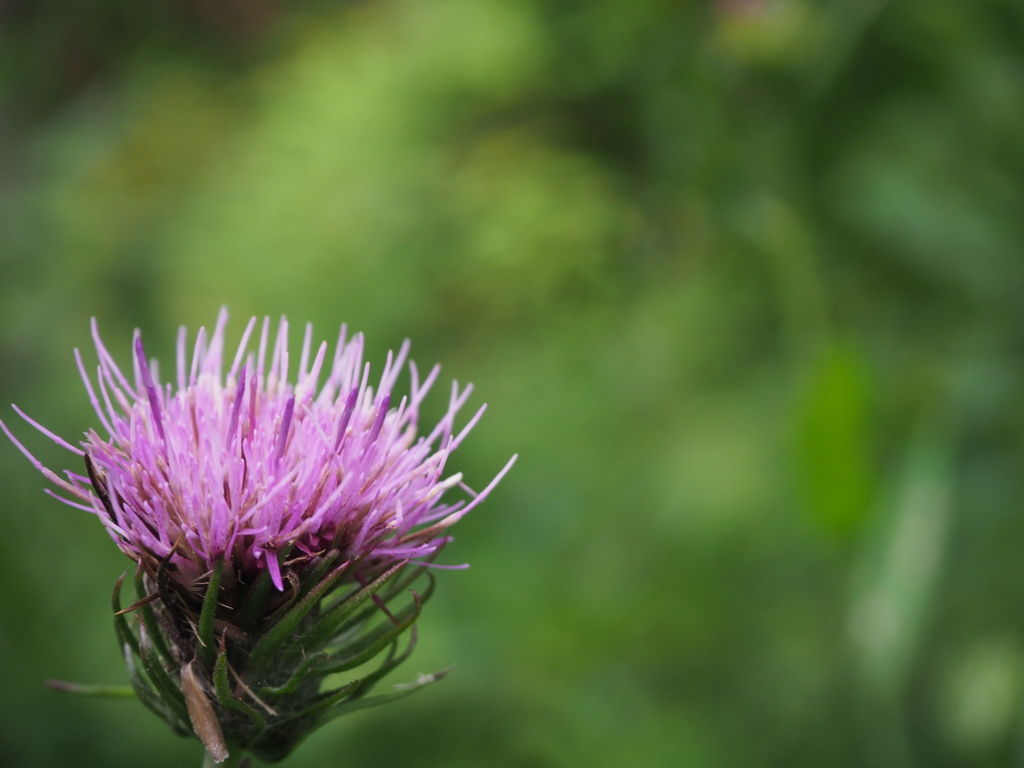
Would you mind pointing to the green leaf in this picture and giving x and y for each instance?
(393, 591)
(263, 653)
(124, 632)
(161, 680)
(375, 641)
(317, 572)
(355, 704)
(148, 696)
(85, 689)
(255, 602)
(296, 677)
(330, 623)
(224, 695)
(148, 618)
(206, 649)
(389, 663)
(325, 702)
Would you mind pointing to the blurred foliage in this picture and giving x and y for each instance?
(739, 279)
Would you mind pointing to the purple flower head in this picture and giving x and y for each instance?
(243, 464)
(271, 519)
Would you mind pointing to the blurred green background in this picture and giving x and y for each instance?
(741, 282)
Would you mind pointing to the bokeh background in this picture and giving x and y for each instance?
(741, 281)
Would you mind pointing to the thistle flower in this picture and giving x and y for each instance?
(274, 526)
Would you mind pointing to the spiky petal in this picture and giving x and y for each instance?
(247, 465)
